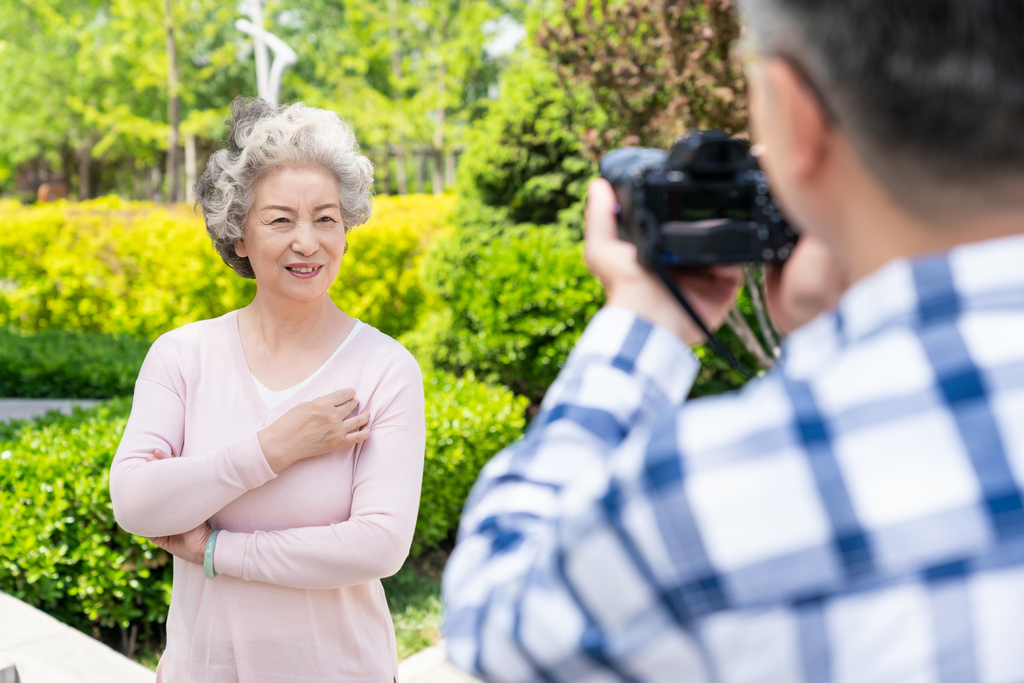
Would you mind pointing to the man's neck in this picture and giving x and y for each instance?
(878, 231)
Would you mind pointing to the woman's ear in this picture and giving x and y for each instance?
(240, 249)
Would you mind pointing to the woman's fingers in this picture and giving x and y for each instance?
(341, 396)
(312, 428)
(157, 455)
(356, 437)
(355, 422)
(347, 407)
(354, 428)
(352, 438)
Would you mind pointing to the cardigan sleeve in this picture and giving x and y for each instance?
(375, 540)
(174, 495)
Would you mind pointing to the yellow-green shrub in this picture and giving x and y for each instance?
(140, 269)
(111, 266)
(379, 281)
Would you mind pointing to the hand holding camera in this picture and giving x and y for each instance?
(695, 213)
(711, 290)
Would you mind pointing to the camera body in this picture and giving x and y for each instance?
(704, 202)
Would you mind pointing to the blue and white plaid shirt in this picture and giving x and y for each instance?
(854, 515)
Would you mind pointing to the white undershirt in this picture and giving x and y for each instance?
(272, 399)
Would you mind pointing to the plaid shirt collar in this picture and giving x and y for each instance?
(913, 292)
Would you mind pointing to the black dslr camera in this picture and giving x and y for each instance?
(705, 202)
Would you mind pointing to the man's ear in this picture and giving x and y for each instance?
(799, 120)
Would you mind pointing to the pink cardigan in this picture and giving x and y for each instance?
(300, 554)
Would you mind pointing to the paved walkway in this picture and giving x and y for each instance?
(25, 408)
(429, 666)
(46, 651)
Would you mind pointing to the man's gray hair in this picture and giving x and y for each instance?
(930, 92)
(263, 138)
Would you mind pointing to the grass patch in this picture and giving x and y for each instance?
(415, 603)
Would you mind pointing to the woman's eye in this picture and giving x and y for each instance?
(282, 219)
(326, 219)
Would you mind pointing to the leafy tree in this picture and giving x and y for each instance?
(402, 73)
(86, 85)
(607, 74)
(524, 160)
(654, 67)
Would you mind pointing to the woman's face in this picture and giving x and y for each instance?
(294, 237)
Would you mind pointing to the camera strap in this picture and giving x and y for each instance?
(713, 341)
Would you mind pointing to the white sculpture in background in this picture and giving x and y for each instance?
(268, 81)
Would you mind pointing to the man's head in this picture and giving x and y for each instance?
(927, 94)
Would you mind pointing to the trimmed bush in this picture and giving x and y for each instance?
(468, 422)
(524, 162)
(111, 266)
(379, 281)
(62, 364)
(60, 548)
(515, 302)
(141, 269)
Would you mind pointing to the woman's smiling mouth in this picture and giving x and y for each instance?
(305, 270)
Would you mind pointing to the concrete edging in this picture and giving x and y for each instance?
(44, 650)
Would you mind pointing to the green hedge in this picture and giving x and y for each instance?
(60, 548)
(468, 422)
(65, 364)
(62, 551)
(524, 162)
(515, 302)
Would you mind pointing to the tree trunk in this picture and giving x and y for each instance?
(449, 169)
(84, 162)
(438, 173)
(190, 166)
(400, 177)
(396, 72)
(174, 193)
(156, 181)
(421, 171)
(385, 167)
(439, 130)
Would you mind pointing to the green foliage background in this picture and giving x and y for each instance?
(61, 363)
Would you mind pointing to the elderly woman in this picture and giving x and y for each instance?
(277, 451)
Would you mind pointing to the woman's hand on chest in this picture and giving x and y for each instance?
(314, 428)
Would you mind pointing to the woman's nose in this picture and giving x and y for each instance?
(305, 239)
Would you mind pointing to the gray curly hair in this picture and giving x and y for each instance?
(263, 137)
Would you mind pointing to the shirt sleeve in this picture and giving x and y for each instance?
(174, 495)
(544, 584)
(375, 540)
